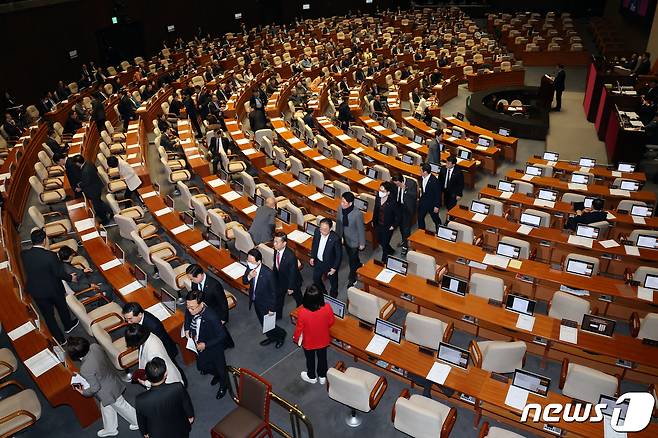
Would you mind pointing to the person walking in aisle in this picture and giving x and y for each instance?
(326, 256)
(385, 217)
(351, 228)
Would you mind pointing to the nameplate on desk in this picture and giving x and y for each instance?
(576, 292)
(199, 245)
(608, 243)
(524, 229)
(89, 236)
(231, 196)
(216, 182)
(365, 180)
(249, 209)
(163, 211)
(85, 224)
(294, 183)
(130, 288)
(619, 192)
(111, 264)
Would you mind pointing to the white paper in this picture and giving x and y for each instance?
(149, 194)
(340, 169)
(298, 236)
(249, 209)
(316, 196)
(75, 206)
(525, 322)
(357, 151)
(304, 149)
(269, 322)
(568, 334)
(479, 217)
(276, 172)
(77, 379)
(294, 183)
(377, 345)
(543, 203)
(89, 236)
(574, 186)
(294, 140)
(192, 157)
(609, 243)
(619, 192)
(319, 158)
(199, 245)
(21, 330)
(130, 288)
(645, 293)
(191, 345)
(343, 137)
(481, 148)
(249, 151)
(378, 128)
(527, 177)
(438, 373)
(111, 264)
(4, 265)
(610, 216)
(137, 164)
(516, 397)
(242, 141)
(281, 130)
(639, 220)
(85, 224)
(159, 310)
(231, 196)
(163, 211)
(41, 362)
(580, 241)
(131, 156)
(524, 229)
(616, 174)
(506, 195)
(609, 432)
(632, 250)
(234, 270)
(180, 229)
(385, 276)
(365, 180)
(496, 260)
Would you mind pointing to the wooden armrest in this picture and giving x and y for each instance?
(383, 311)
(448, 423)
(232, 302)
(117, 327)
(11, 383)
(8, 366)
(440, 270)
(404, 394)
(378, 392)
(194, 189)
(634, 324)
(340, 366)
(447, 333)
(153, 236)
(13, 415)
(53, 213)
(108, 316)
(97, 297)
(484, 430)
(178, 259)
(129, 201)
(476, 354)
(563, 372)
(124, 354)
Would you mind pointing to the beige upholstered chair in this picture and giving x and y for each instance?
(112, 185)
(188, 193)
(644, 328)
(18, 411)
(524, 187)
(563, 305)
(498, 356)
(297, 214)
(46, 197)
(635, 234)
(573, 197)
(54, 228)
(368, 307)
(487, 287)
(422, 265)
(174, 277)
(525, 246)
(495, 206)
(48, 182)
(232, 167)
(356, 388)
(121, 356)
(496, 432)
(586, 384)
(419, 416)
(172, 159)
(641, 272)
(173, 176)
(465, 233)
(107, 315)
(127, 224)
(129, 208)
(8, 362)
(243, 241)
(545, 216)
(161, 249)
(425, 331)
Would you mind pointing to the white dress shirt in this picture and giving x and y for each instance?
(321, 245)
(448, 176)
(425, 179)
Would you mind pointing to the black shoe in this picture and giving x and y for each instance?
(333, 294)
(351, 283)
(267, 341)
(279, 343)
(221, 392)
(214, 381)
(70, 329)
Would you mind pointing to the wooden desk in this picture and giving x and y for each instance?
(507, 144)
(446, 90)
(484, 81)
(194, 155)
(600, 172)
(247, 148)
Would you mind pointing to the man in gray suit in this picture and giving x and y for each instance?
(262, 227)
(434, 148)
(350, 226)
(103, 383)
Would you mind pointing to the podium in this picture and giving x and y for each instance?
(546, 90)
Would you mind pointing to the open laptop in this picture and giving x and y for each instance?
(530, 219)
(303, 178)
(371, 173)
(388, 330)
(506, 186)
(446, 233)
(647, 241)
(519, 304)
(397, 265)
(169, 201)
(284, 215)
(141, 276)
(337, 306)
(479, 207)
(507, 250)
(579, 267)
(310, 228)
(651, 281)
(551, 156)
(456, 133)
(418, 139)
(435, 168)
(531, 382)
(453, 355)
(455, 285)
(460, 116)
(118, 252)
(610, 406)
(346, 162)
(484, 142)
(259, 200)
(407, 159)
(168, 300)
(598, 325)
(587, 231)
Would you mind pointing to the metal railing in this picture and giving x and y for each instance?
(297, 417)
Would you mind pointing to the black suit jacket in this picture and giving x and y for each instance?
(157, 328)
(214, 296)
(558, 83)
(431, 196)
(216, 337)
(410, 196)
(287, 275)
(643, 68)
(56, 147)
(391, 213)
(266, 289)
(163, 411)
(44, 273)
(73, 173)
(456, 183)
(587, 218)
(90, 182)
(333, 253)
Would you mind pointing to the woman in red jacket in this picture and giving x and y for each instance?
(313, 322)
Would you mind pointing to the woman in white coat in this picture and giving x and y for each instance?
(150, 346)
(126, 173)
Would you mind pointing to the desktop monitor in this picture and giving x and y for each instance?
(388, 330)
(304, 178)
(168, 300)
(533, 170)
(456, 133)
(611, 404)
(530, 219)
(384, 149)
(453, 284)
(259, 200)
(337, 306)
(446, 233)
(284, 215)
(479, 207)
(434, 125)
(586, 162)
(188, 218)
(551, 156)
(598, 325)
(141, 276)
(579, 178)
(505, 132)
(647, 241)
(223, 175)
(397, 265)
(587, 231)
(580, 267)
(484, 142)
(507, 250)
(282, 165)
(641, 210)
(519, 304)
(460, 116)
(329, 191)
(118, 252)
(506, 186)
(399, 131)
(346, 162)
(630, 185)
(465, 154)
(407, 159)
(531, 382)
(418, 139)
(453, 355)
(361, 204)
(371, 173)
(651, 281)
(310, 228)
(169, 201)
(626, 167)
(547, 195)
(327, 152)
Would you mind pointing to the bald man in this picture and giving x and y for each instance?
(262, 228)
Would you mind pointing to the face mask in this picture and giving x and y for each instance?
(382, 194)
(252, 265)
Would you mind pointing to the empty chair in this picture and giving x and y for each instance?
(635, 234)
(48, 182)
(573, 197)
(268, 254)
(186, 195)
(368, 307)
(243, 241)
(112, 186)
(53, 228)
(53, 169)
(297, 214)
(121, 356)
(340, 188)
(161, 249)
(46, 197)
(422, 265)
(258, 136)
(317, 178)
(336, 152)
(468, 70)
(545, 216)
(356, 388)
(582, 258)
(231, 167)
(219, 227)
(487, 431)
(641, 272)
(107, 314)
(495, 206)
(19, 411)
(124, 207)
(525, 246)
(370, 199)
(174, 277)
(392, 149)
(419, 416)
(357, 162)
(173, 176)
(425, 331)
(465, 233)
(524, 187)
(8, 362)
(383, 173)
(498, 356)
(644, 328)
(586, 384)
(127, 224)
(564, 305)
(487, 287)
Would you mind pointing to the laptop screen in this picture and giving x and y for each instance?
(507, 250)
(456, 133)
(168, 300)
(551, 156)
(630, 185)
(346, 162)
(303, 178)
(587, 162)
(399, 131)
(446, 233)
(579, 178)
(483, 142)
(611, 404)
(453, 284)
(506, 186)
(435, 168)
(418, 139)
(460, 116)
(464, 154)
(651, 281)
(588, 202)
(188, 219)
(547, 195)
(407, 159)
(328, 190)
(626, 167)
(169, 201)
(480, 207)
(531, 382)
(520, 304)
(388, 330)
(282, 165)
(587, 231)
(311, 227)
(530, 219)
(118, 252)
(453, 355)
(259, 200)
(434, 125)
(371, 173)
(580, 268)
(533, 170)
(361, 204)
(504, 132)
(647, 241)
(641, 210)
(284, 215)
(326, 152)
(337, 306)
(397, 265)
(383, 149)
(598, 325)
(141, 276)
(238, 187)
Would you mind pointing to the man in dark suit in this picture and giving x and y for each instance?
(451, 180)
(133, 313)
(73, 172)
(407, 198)
(558, 85)
(588, 215)
(643, 64)
(97, 113)
(286, 270)
(165, 410)
(44, 273)
(345, 114)
(326, 255)
(126, 108)
(430, 197)
(262, 294)
(54, 146)
(212, 291)
(210, 337)
(92, 187)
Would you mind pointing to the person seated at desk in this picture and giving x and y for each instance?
(631, 64)
(587, 215)
(308, 118)
(72, 124)
(62, 92)
(651, 91)
(380, 106)
(54, 145)
(176, 105)
(647, 110)
(306, 62)
(11, 127)
(443, 60)
(406, 73)
(170, 142)
(643, 65)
